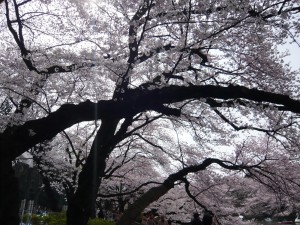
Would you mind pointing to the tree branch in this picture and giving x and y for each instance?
(17, 139)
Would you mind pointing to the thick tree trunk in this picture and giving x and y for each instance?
(82, 205)
(9, 194)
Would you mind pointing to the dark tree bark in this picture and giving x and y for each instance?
(9, 198)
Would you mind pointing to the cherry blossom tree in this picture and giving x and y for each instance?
(188, 84)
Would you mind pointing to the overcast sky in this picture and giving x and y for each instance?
(294, 58)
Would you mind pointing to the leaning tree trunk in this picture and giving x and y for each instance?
(9, 194)
(134, 211)
(81, 206)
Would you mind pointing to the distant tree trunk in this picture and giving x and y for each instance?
(121, 203)
(9, 194)
(81, 206)
(52, 196)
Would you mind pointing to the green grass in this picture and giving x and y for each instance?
(59, 219)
